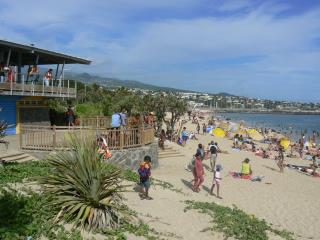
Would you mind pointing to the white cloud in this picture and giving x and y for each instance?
(167, 42)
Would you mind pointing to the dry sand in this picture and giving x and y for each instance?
(290, 201)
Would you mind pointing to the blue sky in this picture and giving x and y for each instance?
(264, 49)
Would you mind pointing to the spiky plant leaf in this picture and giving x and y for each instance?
(87, 196)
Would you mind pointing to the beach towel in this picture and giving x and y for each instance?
(238, 175)
(236, 149)
(302, 169)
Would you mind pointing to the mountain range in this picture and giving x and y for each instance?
(116, 83)
(113, 83)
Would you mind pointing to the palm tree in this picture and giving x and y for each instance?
(85, 194)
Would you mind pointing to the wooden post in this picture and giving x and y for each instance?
(121, 137)
(142, 135)
(54, 139)
(21, 132)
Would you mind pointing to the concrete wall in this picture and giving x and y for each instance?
(132, 157)
(127, 157)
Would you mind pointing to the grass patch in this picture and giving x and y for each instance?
(233, 222)
(16, 172)
(22, 216)
(31, 214)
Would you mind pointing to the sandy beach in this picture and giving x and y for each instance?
(288, 201)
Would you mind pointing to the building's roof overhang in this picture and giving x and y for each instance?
(29, 54)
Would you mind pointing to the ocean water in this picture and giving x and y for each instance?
(289, 124)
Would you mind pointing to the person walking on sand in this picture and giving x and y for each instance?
(198, 173)
(280, 158)
(216, 180)
(184, 136)
(213, 148)
(204, 129)
(198, 128)
(145, 173)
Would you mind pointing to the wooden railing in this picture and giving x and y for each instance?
(96, 122)
(47, 139)
(63, 88)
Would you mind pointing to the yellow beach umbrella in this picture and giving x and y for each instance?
(285, 143)
(218, 132)
(251, 130)
(241, 132)
(224, 125)
(256, 136)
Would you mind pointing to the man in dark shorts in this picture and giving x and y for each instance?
(145, 173)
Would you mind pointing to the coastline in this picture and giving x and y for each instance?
(255, 111)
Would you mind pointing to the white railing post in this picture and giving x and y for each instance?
(42, 87)
(22, 79)
(68, 89)
(51, 87)
(11, 86)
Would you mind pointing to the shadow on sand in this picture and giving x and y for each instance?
(270, 168)
(187, 183)
(205, 188)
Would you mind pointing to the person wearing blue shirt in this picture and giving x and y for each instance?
(123, 116)
(116, 120)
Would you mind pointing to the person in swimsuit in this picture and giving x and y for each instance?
(216, 180)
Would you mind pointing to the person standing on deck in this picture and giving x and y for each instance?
(2, 72)
(47, 77)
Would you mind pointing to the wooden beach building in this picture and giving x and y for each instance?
(22, 99)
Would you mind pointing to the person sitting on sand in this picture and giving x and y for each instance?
(253, 147)
(241, 138)
(243, 146)
(198, 173)
(193, 136)
(265, 154)
(314, 166)
(216, 180)
(236, 141)
(246, 170)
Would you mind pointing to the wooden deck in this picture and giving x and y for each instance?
(47, 139)
(22, 89)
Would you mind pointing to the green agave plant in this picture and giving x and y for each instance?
(86, 195)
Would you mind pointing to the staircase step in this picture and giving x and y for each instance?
(17, 156)
(11, 154)
(166, 152)
(171, 156)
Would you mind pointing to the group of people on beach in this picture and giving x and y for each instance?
(274, 150)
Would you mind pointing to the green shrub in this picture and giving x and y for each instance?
(24, 215)
(16, 172)
(85, 194)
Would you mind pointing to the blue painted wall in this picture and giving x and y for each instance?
(8, 112)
